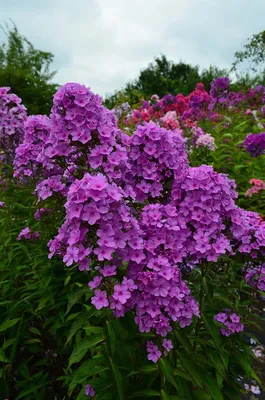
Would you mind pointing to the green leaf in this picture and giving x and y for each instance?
(111, 337)
(183, 374)
(31, 390)
(67, 280)
(8, 324)
(184, 341)
(76, 297)
(31, 341)
(147, 369)
(34, 330)
(200, 394)
(145, 393)
(207, 288)
(212, 387)
(3, 358)
(164, 395)
(117, 378)
(43, 301)
(212, 329)
(81, 349)
(79, 322)
(167, 370)
(192, 368)
(8, 343)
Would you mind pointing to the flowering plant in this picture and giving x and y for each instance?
(155, 244)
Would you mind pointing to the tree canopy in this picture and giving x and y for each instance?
(27, 71)
(162, 77)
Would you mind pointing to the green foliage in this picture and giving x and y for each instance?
(253, 51)
(27, 71)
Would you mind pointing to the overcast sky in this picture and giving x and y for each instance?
(105, 43)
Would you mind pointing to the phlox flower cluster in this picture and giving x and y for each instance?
(83, 133)
(219, 91)
(255, 276)
(36, 132)
(92, 201)
(206, 140)
(202, 139)
(231, 321)
(12, 116)
(254, 143)
(258, 186)
(154, 352)
(156, 156)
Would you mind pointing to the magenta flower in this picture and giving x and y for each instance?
(100, 299)
(167, 344)
(121, 293)
(153, 352)
(95, 282)
(230, 321)
(108, 270)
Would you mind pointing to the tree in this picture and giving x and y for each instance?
(253, 52)
(163, 77)
(27, 71)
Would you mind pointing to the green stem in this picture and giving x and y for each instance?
(200, 305)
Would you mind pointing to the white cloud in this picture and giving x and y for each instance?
(104, 43)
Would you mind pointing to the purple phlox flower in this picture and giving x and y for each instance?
(95, 282)
(89, 391)
(100, 299)
(153, 352)
(24, 234)
(167, 344)
(121, 293)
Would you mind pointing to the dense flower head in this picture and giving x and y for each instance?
(84, 132)
(156, 155)
(205, 200)
(202, 139)
(231, 321)
(255, 144)
(255, 276)
(12, 116)
(36, 133)
(219, 90)
(93, 201)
